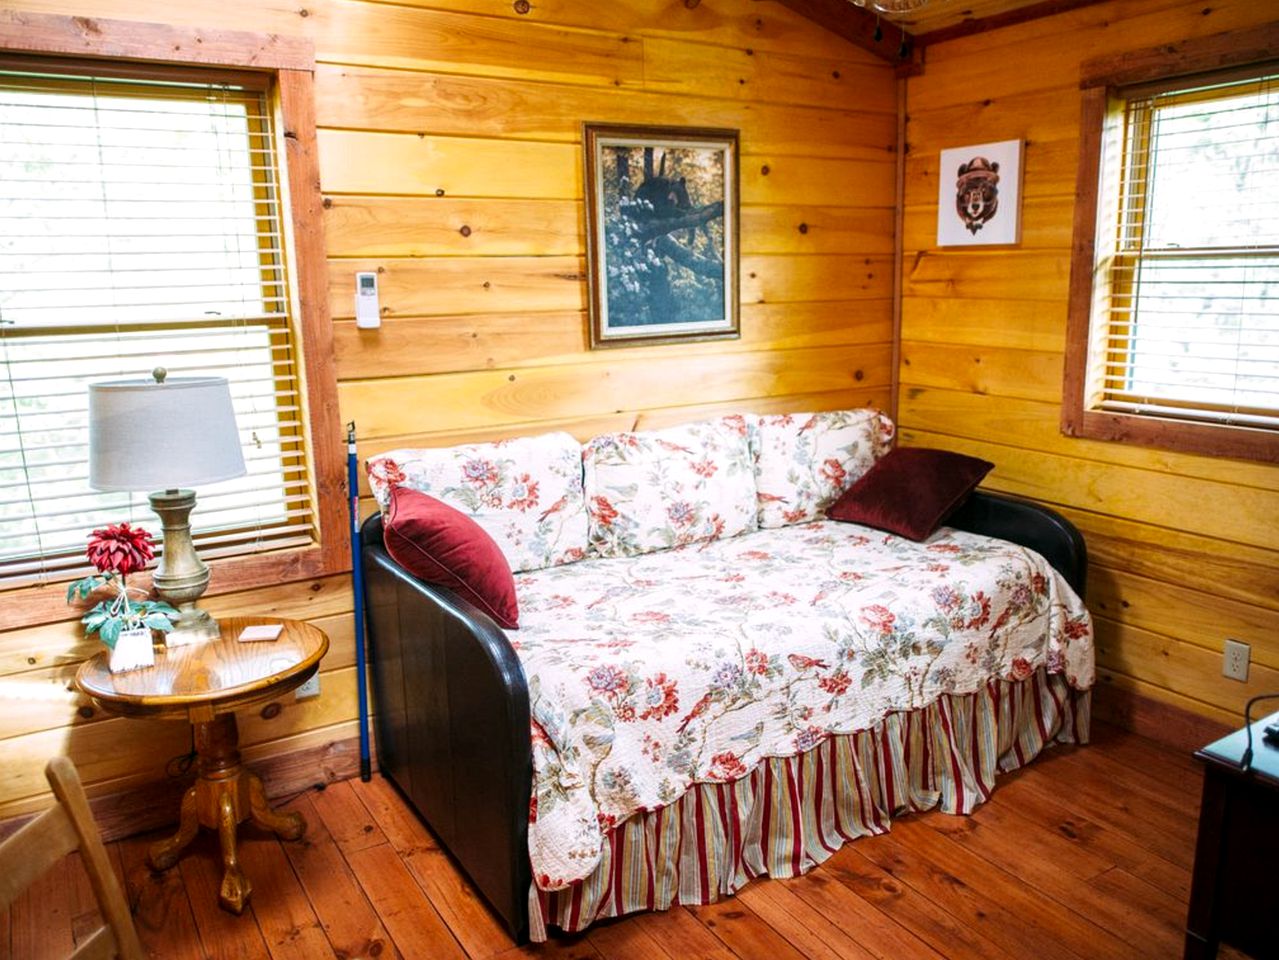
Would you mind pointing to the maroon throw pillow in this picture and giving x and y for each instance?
(444, 546)
(910, 491)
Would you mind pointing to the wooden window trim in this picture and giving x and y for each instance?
(1100, 79)
(290, 61)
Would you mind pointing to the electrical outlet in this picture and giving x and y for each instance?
(1235, 663)
(309, 689)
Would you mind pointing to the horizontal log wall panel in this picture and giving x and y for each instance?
(1045, 223)
(1207, 564)
(354, 32)
(1194, 671)
(398, 101)
(1201, 618)
(1015, 275)
(1004, 324)
(405, 163)
(422, 286)
(773, 178)
(364, 226)
(1037, 425)
(1012, 61)
(491, 398)
(427, 286)
(1111, 682)
(761, 26)
(449, 149)
(452, 344)
(756, 76)
(1148, 495)
(1184, 550)
(995, 371)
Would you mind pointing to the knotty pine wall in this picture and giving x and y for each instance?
(450, 160)
(1185, 549)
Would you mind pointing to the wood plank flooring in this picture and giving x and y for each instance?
(1085, 854)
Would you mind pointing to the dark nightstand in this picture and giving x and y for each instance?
(1234, 895)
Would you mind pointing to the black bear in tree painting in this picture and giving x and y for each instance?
(663, 239)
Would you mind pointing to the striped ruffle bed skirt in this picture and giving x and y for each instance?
(791, 813)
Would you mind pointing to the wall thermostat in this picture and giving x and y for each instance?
(368, 313)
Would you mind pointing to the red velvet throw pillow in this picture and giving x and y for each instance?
(444, 546)
(910, 491)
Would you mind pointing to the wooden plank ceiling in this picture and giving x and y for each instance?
(899, 38)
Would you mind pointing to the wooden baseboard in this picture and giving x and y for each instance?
(155, 805)
(1162, 722)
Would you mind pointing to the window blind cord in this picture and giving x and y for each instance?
(43, 575)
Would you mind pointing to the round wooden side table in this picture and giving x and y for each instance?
(205, 683)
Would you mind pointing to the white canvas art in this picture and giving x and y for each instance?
(979, 194)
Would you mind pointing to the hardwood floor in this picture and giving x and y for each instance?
(1085, 854)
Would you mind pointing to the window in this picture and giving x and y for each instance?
(1174, 336)
(144, 223)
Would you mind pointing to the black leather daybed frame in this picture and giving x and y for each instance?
(452, 710)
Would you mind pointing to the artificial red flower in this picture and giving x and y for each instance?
(120, 549)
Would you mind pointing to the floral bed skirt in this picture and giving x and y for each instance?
(791, 813)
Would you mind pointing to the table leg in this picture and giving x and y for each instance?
(235, 885)
(224, 795)
(1202, 931)
(287, 826)
(165, 853)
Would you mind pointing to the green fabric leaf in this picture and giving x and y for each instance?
(110, 633)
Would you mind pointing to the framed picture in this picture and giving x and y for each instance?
(979, 195)
(661, 226)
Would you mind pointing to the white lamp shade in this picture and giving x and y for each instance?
(145, 435)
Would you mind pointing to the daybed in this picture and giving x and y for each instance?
(710, 681)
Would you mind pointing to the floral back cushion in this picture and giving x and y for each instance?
(650, 491)
(525, 493)
(805, 461)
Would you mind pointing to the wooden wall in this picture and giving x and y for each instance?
(450, 162)
(1185, 549)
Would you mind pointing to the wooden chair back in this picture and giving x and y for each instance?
(41, 843)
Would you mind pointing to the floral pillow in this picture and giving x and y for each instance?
(525, 493)
(805, 461)
(650, 491)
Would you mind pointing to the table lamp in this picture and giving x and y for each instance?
(161, 435)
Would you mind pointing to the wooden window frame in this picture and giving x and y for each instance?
(1099, 80)
(289, 62)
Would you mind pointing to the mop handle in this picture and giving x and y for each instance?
(357, 585)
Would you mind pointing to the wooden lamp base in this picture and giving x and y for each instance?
(224, 796)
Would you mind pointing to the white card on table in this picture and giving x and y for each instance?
(263, 631)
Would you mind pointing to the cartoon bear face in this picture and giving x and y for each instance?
(977, 192)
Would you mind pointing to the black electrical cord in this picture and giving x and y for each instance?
(1245, 762)
(179, 766)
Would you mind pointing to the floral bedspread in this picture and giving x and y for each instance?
(652, 672)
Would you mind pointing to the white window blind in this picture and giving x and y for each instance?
(139, 227)
(1192, 301)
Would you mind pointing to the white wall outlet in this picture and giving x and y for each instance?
(309, 689)
(1235, 663)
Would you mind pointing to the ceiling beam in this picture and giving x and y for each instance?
(881, 37)
(966, 28)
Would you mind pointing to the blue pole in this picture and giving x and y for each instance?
(357, 583)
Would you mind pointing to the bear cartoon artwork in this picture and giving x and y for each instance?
(977, 192)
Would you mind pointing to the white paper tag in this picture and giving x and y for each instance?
(262, 631)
